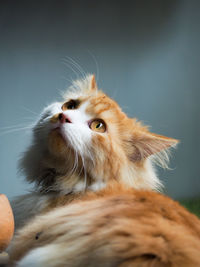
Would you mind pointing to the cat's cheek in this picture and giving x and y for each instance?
(99, 142)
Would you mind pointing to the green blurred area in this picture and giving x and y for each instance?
(193, 205)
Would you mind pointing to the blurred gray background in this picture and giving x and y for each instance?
(145, 55)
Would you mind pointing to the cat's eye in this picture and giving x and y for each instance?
(97, 125)
(71, 104)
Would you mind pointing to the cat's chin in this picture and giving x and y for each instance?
(57, 144)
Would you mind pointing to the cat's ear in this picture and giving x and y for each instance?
(145, 144)
(93, 84)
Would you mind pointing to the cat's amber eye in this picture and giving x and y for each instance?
(71, 104)
(97, 125)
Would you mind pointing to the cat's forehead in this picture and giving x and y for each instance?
(103, 105)
(97, 104)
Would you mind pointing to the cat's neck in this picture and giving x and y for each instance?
(54, 181)
(63, 184)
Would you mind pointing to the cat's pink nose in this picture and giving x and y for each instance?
(63, 118)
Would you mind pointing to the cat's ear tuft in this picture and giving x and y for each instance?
(93, 84)
(145, 144)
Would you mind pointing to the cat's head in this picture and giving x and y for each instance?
(86, 141)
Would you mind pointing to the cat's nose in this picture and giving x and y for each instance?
(63, 118)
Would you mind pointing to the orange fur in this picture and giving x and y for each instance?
(116, 226)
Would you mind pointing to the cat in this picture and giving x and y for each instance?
(84, 143)
(115, 226)
(92, 167)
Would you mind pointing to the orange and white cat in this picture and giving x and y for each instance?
(94, 201)
(84, 143)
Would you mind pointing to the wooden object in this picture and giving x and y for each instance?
(6, 222)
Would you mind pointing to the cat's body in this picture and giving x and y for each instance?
(113, 227)
(84, 143)
(93, 202)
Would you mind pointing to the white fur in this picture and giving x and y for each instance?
(96, 186)
(79, 187)
(36, 258)
(141, 178)
(78, 133)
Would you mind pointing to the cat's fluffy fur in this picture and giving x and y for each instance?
(108, 222)
(113, 227)
(71, 158)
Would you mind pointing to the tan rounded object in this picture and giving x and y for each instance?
(6, 222)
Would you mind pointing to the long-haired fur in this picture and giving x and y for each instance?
(113, 227)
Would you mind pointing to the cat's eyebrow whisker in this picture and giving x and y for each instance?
(71, 65)
(81, 69)
(71, 61)
(66, 80)
(71, 68)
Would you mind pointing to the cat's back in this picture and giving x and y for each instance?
(116, 227)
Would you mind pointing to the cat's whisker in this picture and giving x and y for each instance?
(66, 81)
(71, 64)
(75, 164)
(83, 165)
(28, 118)
(85, 174)
(13, 126)
(83, 169)
(77, 66)
(16, 130)
(71, 68)
(90, 156)
(29, 110)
